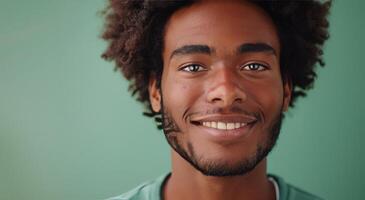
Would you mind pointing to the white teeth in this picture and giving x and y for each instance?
(213, 124)
(230, 126)
(223, 125)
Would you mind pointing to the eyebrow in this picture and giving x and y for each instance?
(205, 49)
(255, 47)
(192, 49)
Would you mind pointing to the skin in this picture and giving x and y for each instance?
(221, 84)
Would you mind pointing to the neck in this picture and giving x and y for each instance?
(186, 182)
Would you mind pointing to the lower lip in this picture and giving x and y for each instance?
(226, 135)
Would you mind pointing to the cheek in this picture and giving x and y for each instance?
(179, 96)
(175, 92)
(269, 96)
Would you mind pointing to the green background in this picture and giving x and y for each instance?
(69, 129)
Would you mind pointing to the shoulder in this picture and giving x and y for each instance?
(290, 192)
(138, 193)
(149, 190)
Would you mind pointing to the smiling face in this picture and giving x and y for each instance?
(221, 93)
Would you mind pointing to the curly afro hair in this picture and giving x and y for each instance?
(134, 32)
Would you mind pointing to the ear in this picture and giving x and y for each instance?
(154, 94)
(288, 86)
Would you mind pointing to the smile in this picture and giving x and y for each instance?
(223, 125)
(224, 131)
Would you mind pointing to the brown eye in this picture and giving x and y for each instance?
(193, 68)
(254, 67)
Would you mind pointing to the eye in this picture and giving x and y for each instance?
(254, 67)
(193, 68)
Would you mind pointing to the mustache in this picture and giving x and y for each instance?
(220, 110)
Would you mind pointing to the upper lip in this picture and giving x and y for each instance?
(227, 118)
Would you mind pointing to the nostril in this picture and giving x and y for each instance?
(239, 100)
(216, 99)
(226, 95)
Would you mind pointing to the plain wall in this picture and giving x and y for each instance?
(70, 130)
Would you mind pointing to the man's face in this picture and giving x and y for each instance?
(222, 94)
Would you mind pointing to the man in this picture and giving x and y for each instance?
(217, 76)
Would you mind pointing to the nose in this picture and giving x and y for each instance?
(226, 88)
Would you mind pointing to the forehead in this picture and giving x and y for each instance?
(223, 25)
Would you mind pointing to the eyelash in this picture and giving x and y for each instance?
(193, 67)
(254, 65)
(187, 68)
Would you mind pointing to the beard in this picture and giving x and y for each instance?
(216, 167)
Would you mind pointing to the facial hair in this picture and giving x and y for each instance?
(216, 167)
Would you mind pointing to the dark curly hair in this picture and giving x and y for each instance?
(134, 32)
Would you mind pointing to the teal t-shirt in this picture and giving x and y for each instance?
(151, 190)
